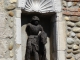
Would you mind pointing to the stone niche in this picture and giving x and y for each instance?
(47, 21)
(49, 12)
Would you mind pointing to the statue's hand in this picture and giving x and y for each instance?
(39, 33)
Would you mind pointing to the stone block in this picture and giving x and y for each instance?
(71, 9)
(18, 13)
(69, 56)
(11, 7)
(61, 40)
(74, 18)
(71, 13)
(76, 29)
(67, 18)
(72, 58)
(11, 54)
(75, 47)
(69, 4)
(78, 24)
(11, 13)
(71, 24)
(13, 1)
(73, 0)
(70, 41)
(74, 3)
(64, 3)
(61, 55)
(78, 35)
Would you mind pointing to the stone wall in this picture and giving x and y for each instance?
(71, 13)
(7, 29)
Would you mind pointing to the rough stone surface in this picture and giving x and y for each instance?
(11, 13)
(73, 0)
(74, 18)
(2, 19)
(73, 34)
(76, 29)
(6, 58)
(11, 25)
(71, 14)
(78, 24)
(74, 3)
(18, 13)
(71, 24)
(10, 7)
(66, 18)
(3, 47)
(64, 3)
(68, 34)
(68, 13)
(69, 4)
(11, 54)
(79, 59)
(69, 50)
(9, 33)
(75, 52)
(78, 35)
(75, 47)
(72, 58)
(69, 28)
(77, 56)
(6, 33)
(13, 1)
(69, 46)
(70, 41)
(72, 9)
(69, 56)
(11, 45)
(77, 41)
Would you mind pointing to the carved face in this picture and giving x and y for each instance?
(36, 22)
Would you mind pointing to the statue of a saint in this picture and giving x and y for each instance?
(37, 39)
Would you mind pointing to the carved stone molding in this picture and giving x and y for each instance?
(41, 6)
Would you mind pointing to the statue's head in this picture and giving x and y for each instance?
(35, 20)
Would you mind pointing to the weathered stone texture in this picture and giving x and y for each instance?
(73, 0)
(76, 29)
(13, 1)
(71, 14)
(10, 7)
(3, 47)
(11, 13)
(70, 24)
(6, 59)
(6, 33)
(70, 41)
